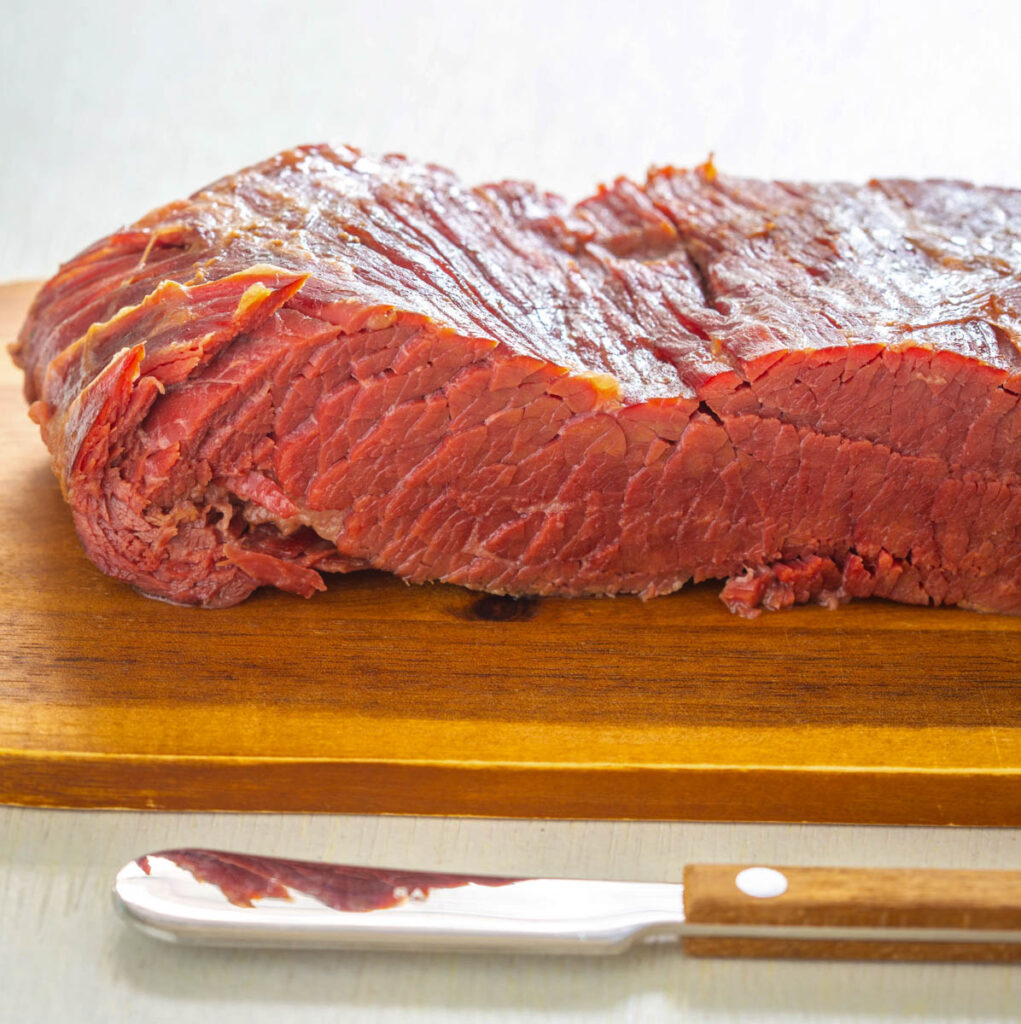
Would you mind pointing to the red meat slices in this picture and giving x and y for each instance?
(243, 879)
(328, 362)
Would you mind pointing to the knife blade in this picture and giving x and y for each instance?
(217, 898)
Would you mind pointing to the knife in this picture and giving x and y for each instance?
(216, 898)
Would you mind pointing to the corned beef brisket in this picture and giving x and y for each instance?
(329, 362)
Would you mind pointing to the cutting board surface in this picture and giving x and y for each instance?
(378, 697)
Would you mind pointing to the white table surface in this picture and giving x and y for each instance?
(109, 109)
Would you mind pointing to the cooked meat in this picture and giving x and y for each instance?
(243, 879)
(329, 362)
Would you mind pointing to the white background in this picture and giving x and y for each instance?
(110, 108)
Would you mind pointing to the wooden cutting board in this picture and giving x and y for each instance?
(378, 697)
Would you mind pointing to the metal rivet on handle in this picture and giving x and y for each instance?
(763, 883)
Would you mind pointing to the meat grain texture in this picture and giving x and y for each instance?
(329, 362)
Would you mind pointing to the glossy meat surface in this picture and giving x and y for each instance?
(328, 362)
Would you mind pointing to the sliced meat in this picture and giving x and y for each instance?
(329, 362)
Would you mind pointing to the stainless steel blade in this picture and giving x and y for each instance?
(427, 911)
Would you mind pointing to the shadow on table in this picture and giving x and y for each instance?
(652, 981)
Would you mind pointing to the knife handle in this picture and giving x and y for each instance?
(837, 899)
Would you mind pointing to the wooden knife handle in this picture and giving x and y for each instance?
(840, 898)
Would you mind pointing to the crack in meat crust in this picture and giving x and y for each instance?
(329, 362)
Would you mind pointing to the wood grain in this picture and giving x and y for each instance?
(378, 697)
(857, 898)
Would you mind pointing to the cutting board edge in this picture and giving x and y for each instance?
(282, 785)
